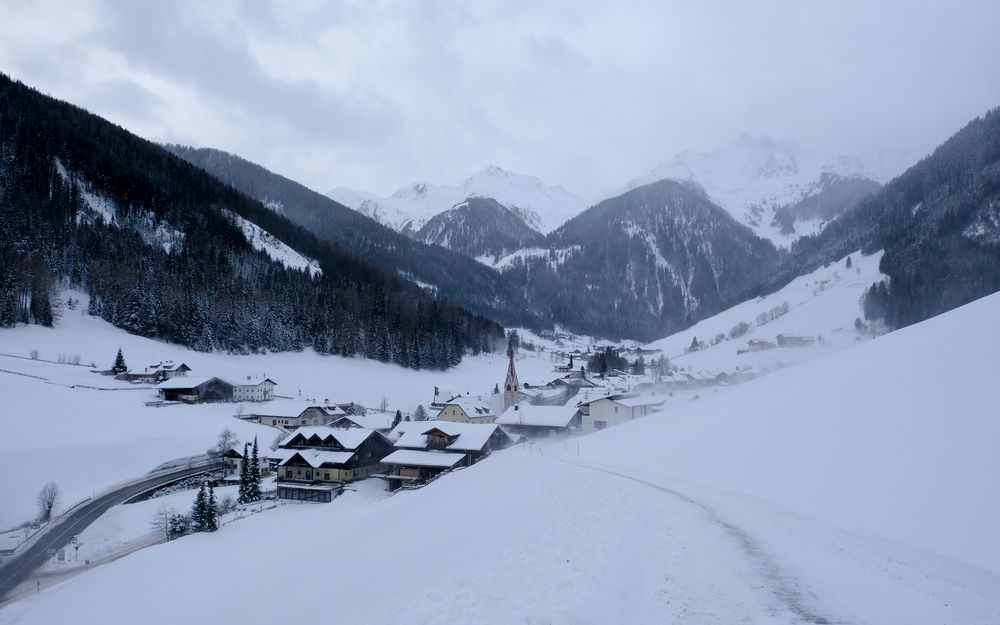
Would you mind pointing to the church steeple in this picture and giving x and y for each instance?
(511, 394)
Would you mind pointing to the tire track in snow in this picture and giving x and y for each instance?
(780, 582)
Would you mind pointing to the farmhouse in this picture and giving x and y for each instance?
(191, 390)
(604, 412)
(538, 421)
(261, 390)
(321, 458)
(426, 448)
(293, 417)
(157, 373)
(378, 421)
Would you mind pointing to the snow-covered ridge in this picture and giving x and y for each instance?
(273, 247)
(542, 207)
(751, 177)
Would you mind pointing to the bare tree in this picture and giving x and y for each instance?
(226, 440)
(47, 500)
(162, 518)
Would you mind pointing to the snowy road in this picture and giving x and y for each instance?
(802, 571)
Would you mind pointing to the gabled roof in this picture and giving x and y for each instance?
(645, 400)
(255, 383)
(423, 458)
(348, 438)
(316, 458)
(473, 406)
(470, 436)
(376, 421)
(168, 365)
(185, 382)
(542, 416)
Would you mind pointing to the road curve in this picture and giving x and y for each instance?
(21, 566)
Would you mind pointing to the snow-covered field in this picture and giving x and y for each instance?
(855, 488)
(86, 439)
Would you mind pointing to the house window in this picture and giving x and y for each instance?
(616, 409)
(326, 476)
(600, 425)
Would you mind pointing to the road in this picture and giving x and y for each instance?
(21, 566)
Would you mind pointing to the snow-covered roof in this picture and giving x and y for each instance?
(423, 458)
(473, 406)
(548, 416)
(186, 382)
(471, 436)
(646, 400)
(280, 454)
(318, 457)
(251, 383)
(349, 438)
(375, 421)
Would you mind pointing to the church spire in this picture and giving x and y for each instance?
(511, 389)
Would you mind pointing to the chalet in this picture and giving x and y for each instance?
(598, 414)
(260, 390)
(320, 459)
(538, 421)
(192, 390)
(426, 448)
(296, 417)
(467, 409)
(232, 461)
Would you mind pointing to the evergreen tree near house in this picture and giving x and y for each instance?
(420, 414)
(848, 262)
(119, 366)
(397, 419)
(211, 511)
(694, 345)
(244, 475)
(254, 492)
(199, 511)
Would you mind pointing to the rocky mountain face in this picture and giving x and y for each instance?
(643, 264)
(481, 228)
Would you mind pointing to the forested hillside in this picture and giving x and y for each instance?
(451, 274)
(938, 222)
(157, 244)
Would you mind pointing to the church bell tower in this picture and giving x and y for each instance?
(511, 389)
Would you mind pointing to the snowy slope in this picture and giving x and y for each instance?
(542, 207)
(273, 247)
(823, 304)
(752, 177)
(831, 492)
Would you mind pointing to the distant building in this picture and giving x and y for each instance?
(294, 417)
(159, 372)
(379, 421)
(262, 390)
(194, 390)
(540, 421)
(233, 460)
(604, 412)
(795, 340)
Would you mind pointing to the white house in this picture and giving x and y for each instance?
(262, 390)
(538, 421)
(616, 409)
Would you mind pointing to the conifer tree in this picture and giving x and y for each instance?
(211, 511)
(199, 510)
(253, 482)
(119, 366)
(397, 419)
(244, 475)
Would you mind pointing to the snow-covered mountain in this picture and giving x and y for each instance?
(479, 227)
(757, 178)
(542, 207)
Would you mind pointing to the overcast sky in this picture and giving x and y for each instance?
(374, 95)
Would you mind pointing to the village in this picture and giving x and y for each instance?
(321, 446)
